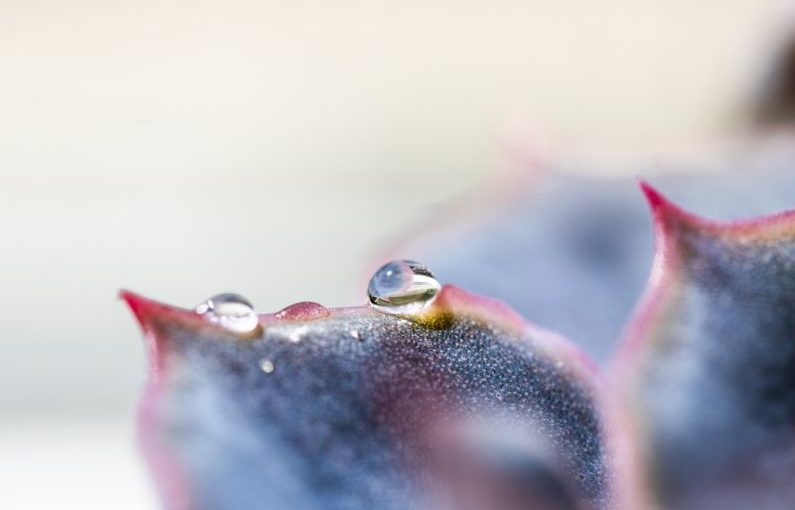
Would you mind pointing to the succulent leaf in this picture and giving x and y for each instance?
(463, 407)
(571, 252)
(707, 373)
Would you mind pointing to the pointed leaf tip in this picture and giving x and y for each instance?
(139, 305)
(654, 197)
(146, 310)
(664, 211)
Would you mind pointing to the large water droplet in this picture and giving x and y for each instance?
(232, 311)
(402, 287)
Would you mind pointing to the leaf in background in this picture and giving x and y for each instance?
(463, 406)
(708, 371)
(571, 253)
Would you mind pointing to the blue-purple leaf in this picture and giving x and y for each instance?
(707, 375)
(571, 253)
(462, 407)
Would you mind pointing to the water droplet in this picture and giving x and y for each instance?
(232, 311)
(266, 365)
(354, 334)
(402, 287)
(305, 310)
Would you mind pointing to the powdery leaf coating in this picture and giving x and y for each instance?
(465, 408)
(707, 375)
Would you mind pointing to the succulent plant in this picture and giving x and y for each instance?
(434, 398)
(555, 246)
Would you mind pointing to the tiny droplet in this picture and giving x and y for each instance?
(402, 287)
(305, 310)
(266, 365)
(232, 311)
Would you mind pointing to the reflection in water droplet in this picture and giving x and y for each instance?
(402, 287)
(266, 365)
(232, 311)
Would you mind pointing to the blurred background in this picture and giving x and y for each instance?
(274, 149)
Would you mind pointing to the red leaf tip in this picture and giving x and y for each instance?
(146, 310)
(663, 209)
(138, 304)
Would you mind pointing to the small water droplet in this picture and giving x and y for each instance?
(354, 334)
(266, 365)
(305, 310)
(402, 287)
(232, 311)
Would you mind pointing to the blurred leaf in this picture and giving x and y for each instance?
(708, 371)
(571, 252)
